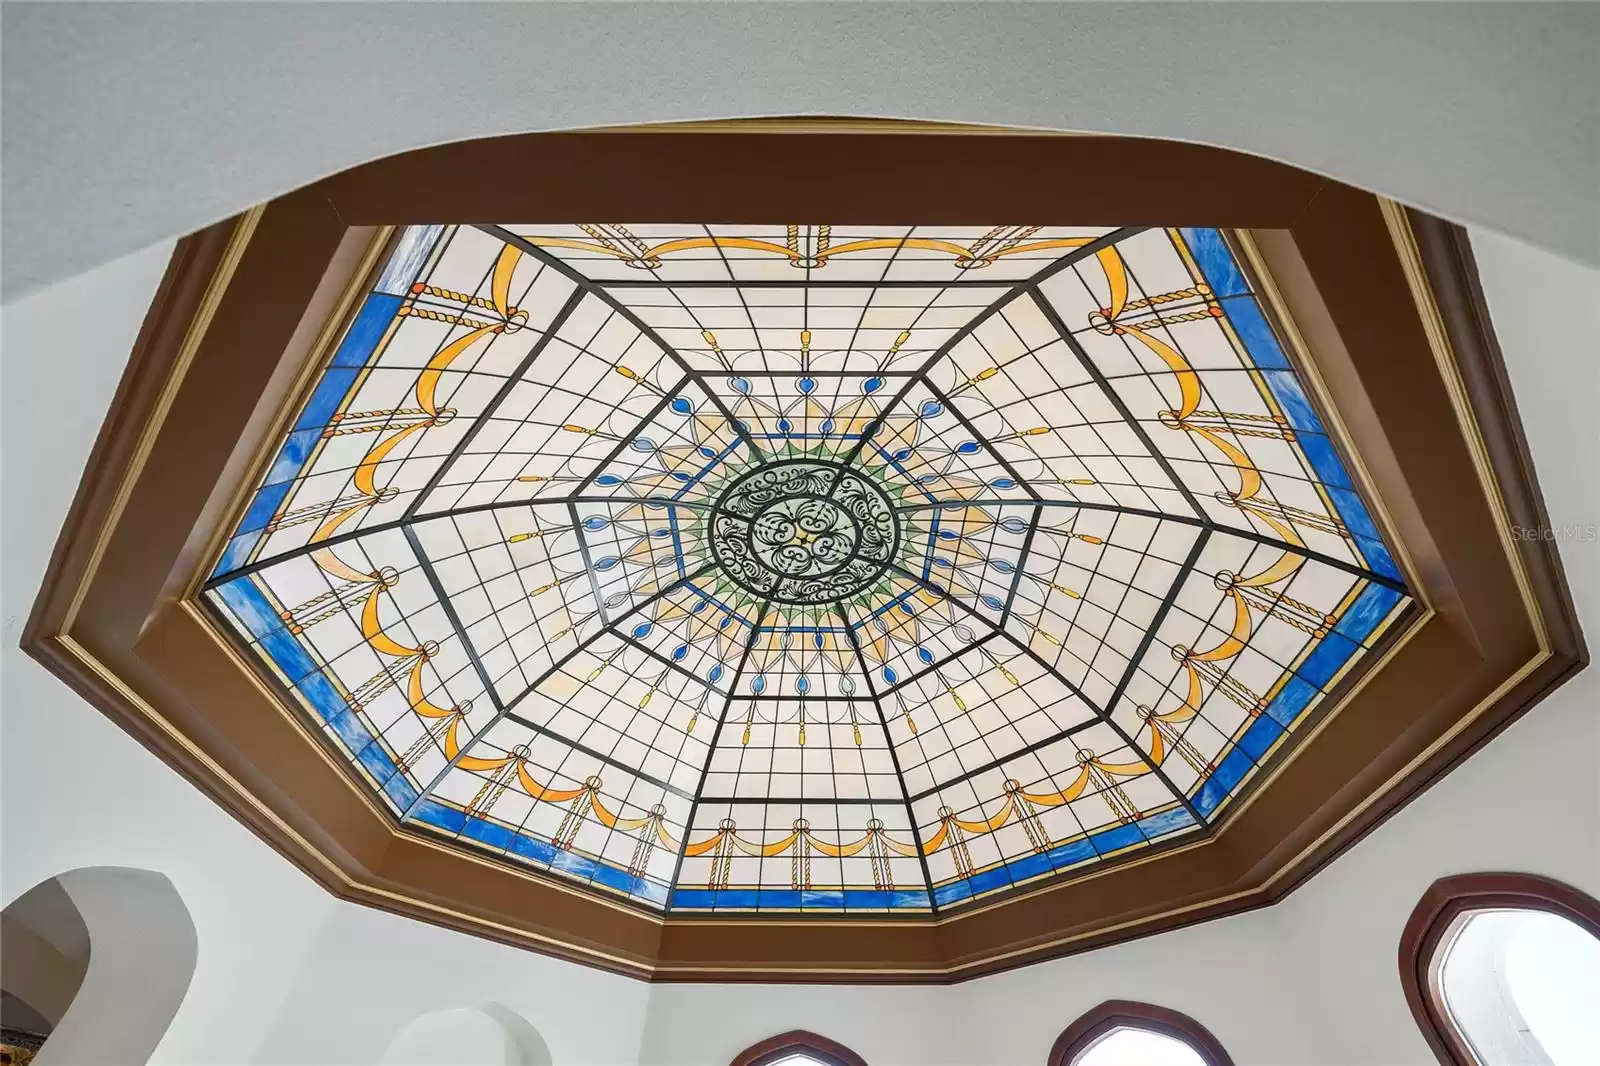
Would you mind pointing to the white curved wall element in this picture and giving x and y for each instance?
(44, 952)
(142, 951)
(530, 1046)
(462, 1037)
(128, 124)
(371, 973)
(493, 1035)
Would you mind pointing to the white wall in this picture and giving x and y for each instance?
(76, 790)
(286, 974)
(372, 972)
(130, 123)
(1528, 801)
(1313, 980)
(1229, 973)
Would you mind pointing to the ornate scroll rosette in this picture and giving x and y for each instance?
(804, 531)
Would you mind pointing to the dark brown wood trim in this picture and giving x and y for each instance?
(1446, 255)
(195, 261)
(556, 177)
(156, 668)
(798, 1042)
(1115, 1014)
(1446, 902)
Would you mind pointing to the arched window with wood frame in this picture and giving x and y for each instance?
(798, 1048)
(1123, 1033)
(1501, 967)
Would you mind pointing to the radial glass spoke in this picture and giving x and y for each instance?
(810, 568)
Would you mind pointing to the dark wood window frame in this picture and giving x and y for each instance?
(1450, 901)
(1114, 1014)
(798, 1042)
(1386, 302)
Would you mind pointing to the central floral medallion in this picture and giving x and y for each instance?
(804, 531)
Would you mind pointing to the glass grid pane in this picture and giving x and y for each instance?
(808, 568)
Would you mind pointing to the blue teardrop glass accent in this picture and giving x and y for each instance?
(709, 453)
(1002, 565)
(902, 455)
(716, 673)
(608, 479)
(803, 685)
(1013, 524)
(827, 427)
(742, 424)
(941, 561)
(807, 384)
(699, 606)
(816, 638)
(679, 475)
(949, 534)
(661, 534)
(932, 409)
(642, 630)
(993, 601)
(907, 608)
(967, 447)
(1003, 483)
(872, 386)
(925, 655)
(679, 652)
(595, 522)
(759, 684)
(784, 425)
(740, 384)
(607, 563)
(682, 406)
(642, 444)
(889, 675)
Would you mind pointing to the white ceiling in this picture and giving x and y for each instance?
(130, 123)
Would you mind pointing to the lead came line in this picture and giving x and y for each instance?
(804, 536)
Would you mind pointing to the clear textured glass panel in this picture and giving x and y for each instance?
(1138, 1047)
(1521, 986)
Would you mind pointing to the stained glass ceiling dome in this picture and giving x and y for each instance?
(804, 567)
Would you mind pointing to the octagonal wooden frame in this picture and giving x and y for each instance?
(1382, 303)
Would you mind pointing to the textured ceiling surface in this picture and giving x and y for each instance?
(110, 148)
(805, 567)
